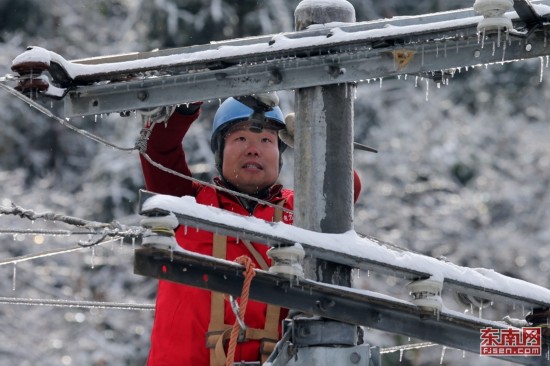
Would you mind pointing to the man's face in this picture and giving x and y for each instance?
(251, 158)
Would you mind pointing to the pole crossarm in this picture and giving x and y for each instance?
(351, 250)
(359, 307)
(432, 46)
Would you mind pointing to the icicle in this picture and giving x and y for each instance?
(133, 243)
(541, 68)
(416, 81)
(381, 82)
(503, 51)
(185, 230)
(93, 257)
(442, 355)
(401, 351)
(494, 49)
(14, 276)
(427, 89)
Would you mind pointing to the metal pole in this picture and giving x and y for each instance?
(323, 149)
(323, 185)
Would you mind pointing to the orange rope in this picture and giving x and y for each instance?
(248, 275)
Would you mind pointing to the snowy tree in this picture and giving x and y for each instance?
(462, 171)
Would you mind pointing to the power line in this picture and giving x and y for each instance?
(75, 304)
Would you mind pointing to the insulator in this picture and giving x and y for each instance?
(493, 15)
(287, 260)
(426, 294)
(161, 233)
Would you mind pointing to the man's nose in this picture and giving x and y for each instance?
(252, 148)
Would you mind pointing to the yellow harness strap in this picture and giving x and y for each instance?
(219, 332)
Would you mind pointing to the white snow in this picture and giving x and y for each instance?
(281, 43)
(350, 243)
(321, 4)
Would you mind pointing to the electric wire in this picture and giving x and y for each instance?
(49, 253)
(406, 347)
(140, 146)
(75, 304)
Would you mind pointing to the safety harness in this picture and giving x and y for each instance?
(219, 332)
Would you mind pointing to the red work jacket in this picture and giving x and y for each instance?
(182, 313)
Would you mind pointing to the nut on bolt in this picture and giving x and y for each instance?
(355, 357)
(142, 95)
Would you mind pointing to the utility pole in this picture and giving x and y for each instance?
(323, 168)
(323, 185)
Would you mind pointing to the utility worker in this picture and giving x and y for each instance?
(190, 322)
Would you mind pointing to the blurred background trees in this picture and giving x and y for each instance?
(463, 170)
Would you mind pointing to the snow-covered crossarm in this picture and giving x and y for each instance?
(353, 306)
(432, 46)
(352, 250)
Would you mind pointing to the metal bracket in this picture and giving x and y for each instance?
(382, 312)
(348, 53)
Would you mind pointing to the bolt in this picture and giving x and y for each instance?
(325, 304)
(142, 95)
(354, 357)
(275, 77)
(220, 75)
(305, 331)
(528, 47)
(477, 53)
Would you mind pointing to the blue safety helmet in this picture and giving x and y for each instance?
(230, 112)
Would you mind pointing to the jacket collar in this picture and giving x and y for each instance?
(269, 194)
